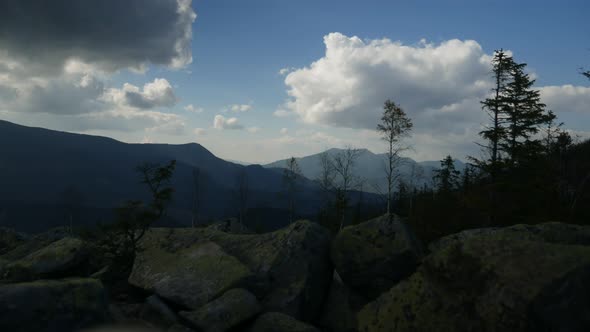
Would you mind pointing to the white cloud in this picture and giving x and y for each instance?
(158, 93)
(199, 131)
(193, 109)
(348, 86)
(566, 98)
(253, 130)
(236, 108)
(221, 123)
(286, 70)
(284, 131)
(281, 113)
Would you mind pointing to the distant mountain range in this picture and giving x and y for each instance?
(38, 167)
(371, 168)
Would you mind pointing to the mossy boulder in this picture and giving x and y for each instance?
(52, 305)
(288, 270)
(58, 259)
(190, 275)
(230, 310)
(373, 256)
(484, 280)
(279, 322)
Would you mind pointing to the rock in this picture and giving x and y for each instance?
(58, 259)
(340, 308)
(230, 310)
(231, 225)
(189, 276)
(52, 305)
(157, 312)
(279, 322)
(290, 268)
(179, 328)
(486, 280)
(10, 239)
(564, 305)
(373, 256)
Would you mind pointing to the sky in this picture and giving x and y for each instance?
(262, 80)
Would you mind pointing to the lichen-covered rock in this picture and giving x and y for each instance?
(482, 281)
(373, 256)
(290, 268)
(190, 275)
(52, 305)
(229, 310)
(58, 259)
(279, 322)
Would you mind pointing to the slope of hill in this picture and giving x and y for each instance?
(38, 166)
(371, 167)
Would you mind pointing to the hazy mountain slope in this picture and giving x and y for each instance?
(37, 165)
(371, 167)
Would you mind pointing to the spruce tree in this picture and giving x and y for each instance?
(447, 177)
(525, 114)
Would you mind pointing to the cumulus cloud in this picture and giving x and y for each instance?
(236, 108)
(566, 98)
(285, 71)
(199, 131)
(109, 34)
(347, 87)
(253, 130)
(281, 113)
(158, 93)
(193, 109)
(284, 131)
(222, 123)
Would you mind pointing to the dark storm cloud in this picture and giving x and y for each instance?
(113, 34)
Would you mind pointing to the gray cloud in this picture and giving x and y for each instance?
(110, 34)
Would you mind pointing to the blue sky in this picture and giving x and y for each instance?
(239, 47)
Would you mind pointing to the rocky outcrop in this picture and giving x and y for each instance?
(54, 260)
(375, 255)
(52, 305)
(189, 276)
(288, 270)
(482, 280)
(231, 309)
(279, 322)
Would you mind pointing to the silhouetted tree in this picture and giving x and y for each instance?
(290, 176)
(447, 177)
(343, 165)
(394, 127)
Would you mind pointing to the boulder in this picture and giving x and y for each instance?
(483, 280)
(230, 310)
(373, 256)
(158, 312)
(189, 276)
(10, 239)
(52, 305)
(58, 259)
(279, 322)
(340, 308)
(289, 270)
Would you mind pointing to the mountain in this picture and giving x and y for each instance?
(41, 168)
(371, 167)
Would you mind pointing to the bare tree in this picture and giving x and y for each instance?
(343, 166)
(290, 176)
(394, 127)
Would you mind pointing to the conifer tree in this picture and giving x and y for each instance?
(525, 114)
(290, 176)
(447, 177)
